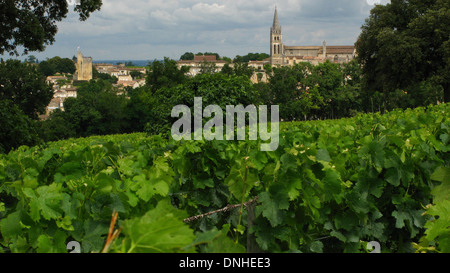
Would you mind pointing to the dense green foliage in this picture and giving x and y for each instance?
(251, 57)
(56, 65)
(217, 89)
(165, 74)
(303, 92)
(404, 44)
(332, 186)
(438, 228)
(16, 128)
(189, 56)
(23, 94)
(97, 110)
(324, 91)
(22, 84)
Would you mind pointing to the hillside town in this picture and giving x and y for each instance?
(329, 135)
(65, 86)
(280, 55)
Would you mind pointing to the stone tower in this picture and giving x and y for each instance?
(84, 68)
(276, 42)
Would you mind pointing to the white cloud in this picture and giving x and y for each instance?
(142, 29)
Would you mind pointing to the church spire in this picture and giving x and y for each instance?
(276, 44)
(276, 25)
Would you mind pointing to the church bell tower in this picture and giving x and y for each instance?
(276, 44)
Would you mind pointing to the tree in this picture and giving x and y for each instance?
(63, 65)
(32, 59)
(56, 127)
(227, 69)
(238, 69)
(16, 128)
(242, 69)
(227, 59)
(207, 67)
(405, 43)
(136, 74)
(24, 86)
(251, 57)
(138, 111)
(188, 56)
(55, 65)
(268, 68)
(97, 110)
(292, 88)
(264, 92)
(354, 96)
(286, 80)
(215, 89)
(165, 74)
(32, 24)
(328, 79)
(46, 68)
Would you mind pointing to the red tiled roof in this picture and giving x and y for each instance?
(302, 47)
(199, 61)
(340, 49)
(207, 58)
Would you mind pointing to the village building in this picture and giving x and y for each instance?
(201, 62)
(125, 78)
(55, 79)
(59, 96)
(259, 65)
(281, 54)
(117, 70)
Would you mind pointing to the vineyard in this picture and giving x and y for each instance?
(332, 186)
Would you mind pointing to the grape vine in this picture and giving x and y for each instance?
(332, 186)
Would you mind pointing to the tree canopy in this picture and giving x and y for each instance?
(165, 74)
(403, 44)
(25, 86)
(215, 89)
(188, 56)
(55, 65)
(16, 128)
(251, 57)
(97, 110)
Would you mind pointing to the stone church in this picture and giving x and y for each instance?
(281, 54)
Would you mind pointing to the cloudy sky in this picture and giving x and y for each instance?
(154, 29)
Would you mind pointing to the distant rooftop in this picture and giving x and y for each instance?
(207, 58)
